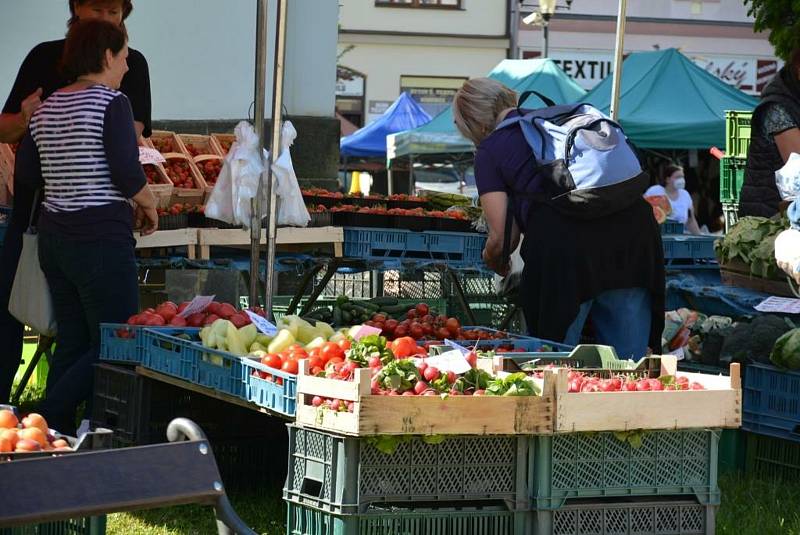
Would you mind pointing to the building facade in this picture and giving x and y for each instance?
(717, 34)
(425, 47)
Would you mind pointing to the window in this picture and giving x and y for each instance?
(434, 4)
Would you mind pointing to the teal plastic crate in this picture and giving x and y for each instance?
(672, 227)
(688, 247)
(771, 458)
(304, 520)
(731, 179)
(737, 133)
(95, 525)
(382, 244)
(346, 475)
(662, 517)
(600, 465)
(125, 344)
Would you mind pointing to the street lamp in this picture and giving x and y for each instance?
(547, 8)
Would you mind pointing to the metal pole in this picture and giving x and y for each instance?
(389, 181)
(260, 96)
(546, 36)
(275, 144)
(513, 49)
(616, 81)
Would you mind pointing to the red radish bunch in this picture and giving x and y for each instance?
(166, 314)
(581, 382)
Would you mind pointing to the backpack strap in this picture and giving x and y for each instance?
(507, 231)
(524, 96)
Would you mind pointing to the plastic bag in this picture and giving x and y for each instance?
(787, 252)
(787, 178)
(30, 301)
(508, 285)
(291, 208)
(237, 184)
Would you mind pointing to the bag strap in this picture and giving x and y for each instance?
(524, 96)
(507, 231)
(34, 211)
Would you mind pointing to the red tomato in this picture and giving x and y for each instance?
(390, 326)
(315, 353)
(422, 309)
(442, 333)
(411, 314)
(331, 350)
(315, 362)
(416, 331)
(401, 331)
(299, 353)
(452, 325)
(404, 347)
(345, 344)
(290, 366)
(272, 361)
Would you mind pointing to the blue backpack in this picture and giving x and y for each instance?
(585, 166)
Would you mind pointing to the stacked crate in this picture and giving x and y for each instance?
(532, 468)
(732, 166)
(772, 421)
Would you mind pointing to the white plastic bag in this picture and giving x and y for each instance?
(508, 284)
(787, 253)
(291, 208)
(787, 178)
(237, 184)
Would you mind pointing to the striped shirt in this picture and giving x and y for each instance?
(81, 146)
(68, 131)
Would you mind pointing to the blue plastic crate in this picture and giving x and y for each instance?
(688, 247)
(519, 341)
(381, 244)
(277, 392)
(220, 371)
(123, 343)
(771, 402)
(166, 353)
(672, 227)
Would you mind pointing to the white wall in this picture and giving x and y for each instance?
(476, 17)
(200, 52)
(722, 10)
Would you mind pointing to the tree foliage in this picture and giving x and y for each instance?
(782, 19)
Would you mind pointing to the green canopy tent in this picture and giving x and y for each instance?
(439, 142)
(668, 102)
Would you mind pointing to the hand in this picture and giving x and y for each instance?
(146, 220)
(30, 105)
(495, 263)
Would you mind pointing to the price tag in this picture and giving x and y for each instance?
(452, 361)
(779, 304)
(262, 324)
(366, 330)
(150, 156)
(198, 304)
(450, 343)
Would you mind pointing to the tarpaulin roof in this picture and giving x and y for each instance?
(370, 141)
(668, 102)
(440, 136)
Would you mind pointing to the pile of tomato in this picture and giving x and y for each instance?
(325, 357)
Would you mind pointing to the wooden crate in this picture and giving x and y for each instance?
(160, 136)
(720, 405)
(737, 273)
(202, 144)
(191, 196)
(163, 190)
(199, 161)
(223, 140)
(421, 415)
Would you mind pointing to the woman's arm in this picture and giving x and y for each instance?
(495, 205)
(788, 142)
(691, 223)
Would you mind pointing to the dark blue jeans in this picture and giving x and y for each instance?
(10, 329)
(91, 283)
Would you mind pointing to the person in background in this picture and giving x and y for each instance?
(610, 267)
(775, 135)
(82, 147)
(674, 189)
(38, 77)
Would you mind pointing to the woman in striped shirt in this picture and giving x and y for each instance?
(82, 147)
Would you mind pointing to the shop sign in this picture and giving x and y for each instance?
(379, 107)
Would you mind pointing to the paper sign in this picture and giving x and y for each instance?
(450, 343)
(779, 304)
(366, 330)
(148, 155)
(452, 361)
(262, 324)
(198, 304)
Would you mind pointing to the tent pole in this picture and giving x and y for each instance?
(411, 175)
(260, 104)
(275, 145)
(618, 53)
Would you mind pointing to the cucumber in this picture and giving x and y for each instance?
(347, 318)
(396, 309)
(370, 306)
(384, 301)
(337, 315)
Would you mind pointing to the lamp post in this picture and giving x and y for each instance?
(540, 17)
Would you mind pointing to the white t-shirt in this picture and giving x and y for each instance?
(680, 206)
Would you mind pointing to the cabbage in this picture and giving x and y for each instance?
(786, 352)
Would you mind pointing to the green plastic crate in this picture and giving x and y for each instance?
(650, 517)
(346, 475)
(732, 447)
(731, 178)
(304, 520)
(737, 133)
(595, 465)
(95, 525)
(772, 458)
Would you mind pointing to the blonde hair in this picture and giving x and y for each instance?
(477, 105)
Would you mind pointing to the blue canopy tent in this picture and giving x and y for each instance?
(370, 141)
(668, 102)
